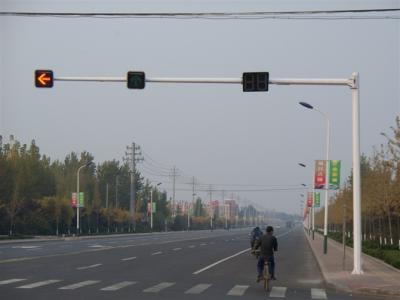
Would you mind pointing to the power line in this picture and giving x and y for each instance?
(209, 15)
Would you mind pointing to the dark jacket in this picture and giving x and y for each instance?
(269, 245)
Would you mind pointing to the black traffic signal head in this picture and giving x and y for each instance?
(255, 81)
(136, 80)
(44, 78)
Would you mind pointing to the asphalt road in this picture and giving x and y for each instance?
(175, 265)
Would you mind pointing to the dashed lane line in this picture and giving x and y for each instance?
(8, 281)
(198, 289)
(159, 287)
(318, 294)
(129, 258)
(118, 286)
(89, 267)
(238, 290)
(156, 253)
(278, 292)
(177, 249)
(38, 284)
(79, 285)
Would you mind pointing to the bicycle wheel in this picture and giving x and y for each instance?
(266, 277)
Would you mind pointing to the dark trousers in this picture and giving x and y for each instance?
(260, 265)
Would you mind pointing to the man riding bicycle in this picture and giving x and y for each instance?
(269, 245)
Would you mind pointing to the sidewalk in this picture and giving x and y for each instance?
(379, 278)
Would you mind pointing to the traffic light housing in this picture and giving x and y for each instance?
(136, 80)
(44, 78)
(255, 81)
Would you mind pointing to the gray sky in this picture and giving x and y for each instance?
(216, 133)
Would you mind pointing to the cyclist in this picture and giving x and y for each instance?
(255, 235)
(269, 245)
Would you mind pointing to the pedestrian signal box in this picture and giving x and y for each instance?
(136, 80)
(44, 78)
(255, 82)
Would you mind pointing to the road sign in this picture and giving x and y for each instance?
(73, 200)
(136, 80)
(43, 78)
(81, 199)
(255, 82)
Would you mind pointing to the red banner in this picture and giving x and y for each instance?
(320, 174)
(310, 199)
(73, 200)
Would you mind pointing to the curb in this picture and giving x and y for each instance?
(361, 291)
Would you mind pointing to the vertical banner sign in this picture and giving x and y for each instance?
(73, 200)
(334, 174)
(317, 199)
(148, 207)
(309, 199)
(81, 199)
(154, 207)
(320, 175)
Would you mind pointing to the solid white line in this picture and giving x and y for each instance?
(220, 261)
(278, 292)
(318, 294)
(158, 287)
(198, 289)
(118, 286)
(157, 253)
(89, 267)
(177, 249)
(79, 285)
(238, 290)
(8, 281)
(129, 258)
(38, 284)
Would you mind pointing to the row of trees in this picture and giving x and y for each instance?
(35, 197)
(380, 184)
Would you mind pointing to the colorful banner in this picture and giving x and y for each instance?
(81, 199)
(148, 207)
(317, 199)
(73, 200)
(309, 199)
(320, 175)
(154, 207)
(334, 174)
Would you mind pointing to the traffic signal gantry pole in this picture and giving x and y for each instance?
(352, 83)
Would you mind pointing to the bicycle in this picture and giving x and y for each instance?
(267, 276)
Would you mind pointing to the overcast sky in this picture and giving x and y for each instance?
(216, 133)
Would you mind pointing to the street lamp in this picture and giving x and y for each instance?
(77, 195)
(305, 104)
(313, 204)
(151, 207)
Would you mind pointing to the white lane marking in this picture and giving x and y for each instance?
(89, 267)
(79, 285)
(118, 286)
(238, 290)
(278, 292)
(220, 261)
(97, 246)
(158, 287)
(203, 244)
(157, 253)
(38, 284)
(177, 249)
(26, 247)
(129, 258)
(318, 294)
(198, 289)
(192, 246)
(8, 281)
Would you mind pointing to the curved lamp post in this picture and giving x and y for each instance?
(77, 195)
(309, 106)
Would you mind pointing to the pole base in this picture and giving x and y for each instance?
(325, 244)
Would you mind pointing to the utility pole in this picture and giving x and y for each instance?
(108, 212)
(132, 157)
(210, 190)
(116, 191)
(193, 194)
(174, 175)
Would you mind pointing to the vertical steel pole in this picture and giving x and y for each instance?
(356, 175)
(151, 209)
(77, 203)
(328, 132)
